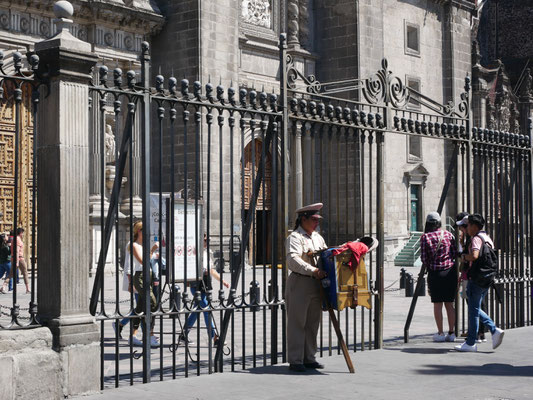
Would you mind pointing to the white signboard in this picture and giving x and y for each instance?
(185, 242)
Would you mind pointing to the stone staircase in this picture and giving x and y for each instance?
(410, 252)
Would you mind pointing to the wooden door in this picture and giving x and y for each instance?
(7, 163)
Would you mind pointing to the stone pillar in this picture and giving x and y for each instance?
(95, 180)
(134, 183)
(307, 166)
(63, 207)
(298, 168)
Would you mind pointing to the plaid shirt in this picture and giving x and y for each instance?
(442, 259)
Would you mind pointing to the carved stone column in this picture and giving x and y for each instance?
(134, 183)
(293, 23)
(298, 167)
(63, 209)
(307, 162)
(95, 180)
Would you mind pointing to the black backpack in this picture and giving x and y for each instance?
(485, 268)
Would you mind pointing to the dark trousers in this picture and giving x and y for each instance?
(139, 308)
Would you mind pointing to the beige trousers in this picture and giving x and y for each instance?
(304, 311)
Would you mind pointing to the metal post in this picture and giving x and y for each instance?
(284, 176)
(380, 230)
(145, 146)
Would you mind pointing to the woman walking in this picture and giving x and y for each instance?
(438, 253)
(134, 275)
(20, 263)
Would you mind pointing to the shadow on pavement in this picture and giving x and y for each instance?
(282, 370)
(486, 369)
(421, 350)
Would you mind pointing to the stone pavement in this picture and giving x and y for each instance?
(419, 370)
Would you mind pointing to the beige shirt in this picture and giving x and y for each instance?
(298, 244)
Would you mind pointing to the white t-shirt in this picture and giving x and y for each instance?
(137, 266)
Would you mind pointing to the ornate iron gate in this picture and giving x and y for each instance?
(314, 147)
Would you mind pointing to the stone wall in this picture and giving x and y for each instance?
(27, 358)
(336, 41)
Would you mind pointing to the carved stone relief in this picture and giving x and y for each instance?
(257, 12)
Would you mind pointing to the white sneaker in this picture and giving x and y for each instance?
(465, 347)
(450, 338)
(438, 337)
(153, 341)
(133, 340)
(497, 338)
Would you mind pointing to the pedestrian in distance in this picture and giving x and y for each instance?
(464, 245)
(5, 256)
(302, 295)
(126, 287)
(481, 257)
(438, 253)
(134, 273)
(203, 286)
(20, 263)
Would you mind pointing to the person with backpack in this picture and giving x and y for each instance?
(483, 267)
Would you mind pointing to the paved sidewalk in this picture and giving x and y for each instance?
(414, 371)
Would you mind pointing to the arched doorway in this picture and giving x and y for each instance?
(260, 242)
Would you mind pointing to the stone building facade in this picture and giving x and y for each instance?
(427, 43)
(502, 64)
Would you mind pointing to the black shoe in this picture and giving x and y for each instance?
(120, 327)
(314, 365)
(297, 367)
(185, 339)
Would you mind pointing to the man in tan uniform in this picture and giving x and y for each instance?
(304, 304)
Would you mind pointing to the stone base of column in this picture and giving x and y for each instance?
(137, 207)
(31, 369)
(95, 206)
(76, 339)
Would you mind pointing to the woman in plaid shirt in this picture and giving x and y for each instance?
(438, 253)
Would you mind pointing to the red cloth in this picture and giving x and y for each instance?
(358, 250)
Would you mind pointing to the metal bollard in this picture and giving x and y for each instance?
(402, 278)
(409, 285)
(255, 295)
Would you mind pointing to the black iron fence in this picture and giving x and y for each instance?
(208, 210)
(212, 174)
(501, 192)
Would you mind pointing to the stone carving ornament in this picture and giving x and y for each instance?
(4, 20)
(257, 12)
(293, 26)
(44, 28)
(108, 39)
(24, 25)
